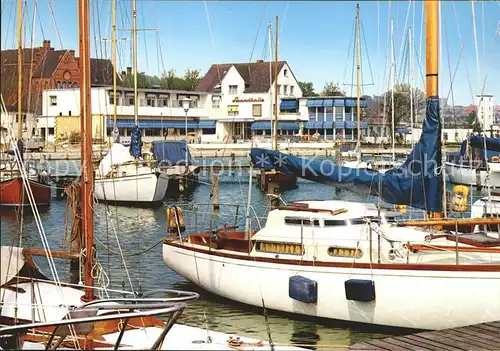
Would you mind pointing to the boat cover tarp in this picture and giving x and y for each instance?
(12, 262)
(478, 142)
(169, 153)
(136, 142)
(118, 154)
(416, 183)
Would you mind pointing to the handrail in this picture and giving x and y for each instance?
(449, 221)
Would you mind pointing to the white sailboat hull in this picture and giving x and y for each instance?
(421, 299)
(462, 174)
(148, 187)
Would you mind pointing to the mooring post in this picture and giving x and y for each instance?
(214, 195)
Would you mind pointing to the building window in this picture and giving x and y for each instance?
(53, 100)
(131, 101)
(58, 85)
(150, 101)
(163, 102)
(69, 113)
(278, 89)
(215, 102)
(291, 89)
(233, 89)
(208, 131)
(285, 89)
(285, 73)
(257, 110)
(51, 130)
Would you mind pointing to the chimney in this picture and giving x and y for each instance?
(129, 70)
(46, 44)
(260, 61)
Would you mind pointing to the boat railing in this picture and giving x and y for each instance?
(82, 319)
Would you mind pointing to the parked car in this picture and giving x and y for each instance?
(34, 144)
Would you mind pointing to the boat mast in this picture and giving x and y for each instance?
(276, 92)
(19, 68)
(358, 82)
(270, 46)
(113, 45)
(393, 77)
(134, 61)
(86, 130)
(412, 81)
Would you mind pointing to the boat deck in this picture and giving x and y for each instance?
(485, 336)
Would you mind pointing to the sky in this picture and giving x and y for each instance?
(315, 38)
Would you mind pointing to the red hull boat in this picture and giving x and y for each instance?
(12, 193)
(285, 181)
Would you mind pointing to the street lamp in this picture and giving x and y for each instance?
(186, 104)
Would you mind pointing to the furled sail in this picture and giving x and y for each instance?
(417, 183)
(136, 142)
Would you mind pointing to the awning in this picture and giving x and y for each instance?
(288, 105)
(328, 125)
(314, 103)
(338, 102)
(281, 125)
(350, 102)
(129, 123)
(403, 131)
(314, 125)
(328, 103)
(354, 125)
(206, 124)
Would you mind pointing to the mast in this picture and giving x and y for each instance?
(19, 68)
(113, 45)
(270, 46)
(86, 130)
(412, 81)
(276, 92)
(393, 74)
(358, 81)
(134, 60)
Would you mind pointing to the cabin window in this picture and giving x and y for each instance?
(339, 251)
(338, 222)
(301, 221)
(279, 248)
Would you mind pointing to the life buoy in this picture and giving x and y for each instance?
(459, 202)
(175, 220)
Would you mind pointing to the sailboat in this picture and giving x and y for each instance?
(353, 261)
(285, 181)
(122, 176)
(43, 305)
(12, 192)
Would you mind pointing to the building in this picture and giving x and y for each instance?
(43, 68)
(160, 113)
(486, 111)
(244, 94)
(334, 117)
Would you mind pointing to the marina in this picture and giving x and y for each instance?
(241, 210)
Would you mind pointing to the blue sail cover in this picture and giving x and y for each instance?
(477, 142)
(136, 142)
(169, 153)
(416, 183)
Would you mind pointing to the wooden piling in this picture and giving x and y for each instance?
(214, 195)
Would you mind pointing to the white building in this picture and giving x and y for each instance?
(246, 105)
(486, 111)
(232, 100)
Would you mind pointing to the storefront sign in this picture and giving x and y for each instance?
(237, 99)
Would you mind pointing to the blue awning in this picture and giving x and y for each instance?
(350, 102)
(338, 102)
(206, 124)
(328, 103)
(339, 125)
(314, 125)
(354, 125)
(403, 131)
(268, 126)
(288, 105)
(314, 103)
(261, 126)
(129, 123)
(328, 125)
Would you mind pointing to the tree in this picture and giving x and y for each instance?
(143, 81)
(473, 122)
(192, 79)
(332, 89)
(402, 102)
(307, 89)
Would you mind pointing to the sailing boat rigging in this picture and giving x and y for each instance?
(12, 192)
(396, 263)
(28, 297)
(122, 176)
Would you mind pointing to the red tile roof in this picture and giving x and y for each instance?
(255, 75)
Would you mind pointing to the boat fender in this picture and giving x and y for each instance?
(459, 198)
(175, 220)
(303, 289)
(401, 208)
(360, 290)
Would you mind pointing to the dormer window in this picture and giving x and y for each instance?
(233, 89)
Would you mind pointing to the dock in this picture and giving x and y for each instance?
(484, 336)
